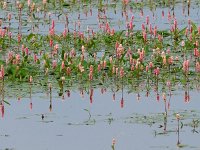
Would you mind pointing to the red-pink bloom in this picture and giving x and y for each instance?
(81, 35)
(186, 66)
(183, 43)
(83, 49)
(107, 27)
(131, 25)
(126, 34)
(27, 51)
(17, 57)
(147, 68)
(56, 47)
(191, 29)
(143, 27)
(116, 71)
(112, 32)
(10, 55)
(23, 48)
(51, 43)
(157, 71)
(51, 31)
(160, 37)
(150, 65)
(35, 58)
(90, 75)
(68, 71)
(44, 2)
(1, 76)
(164, 60)
(141, 53)
(186, 31)
(170, 60)
(113, 69)
(99, 67)
(168, 51)
(2, 71)
(10, 35)
(144, 35)
(72, 53)
(111, 60)
(121, 72)
(125, 2)
(54, 64)
(132, 67)
(91, 72)
(28, 3)
(168, 83)
(113, 141)
(3, 32)
(104, 64)
(147, 20)
(196, 52)
(132, 18)
(150, 29)
(197, 67)
(120, 51)
(63, 65)
(81, 68)
(116, 45)
(172, 29)
(197, 43)
(177, 58)
(130, 60)
(30, 79)
(91, 68)
(19, 37)
(64, 32)
(155, 31)
(74, 34)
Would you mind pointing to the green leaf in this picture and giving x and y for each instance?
(6, 102)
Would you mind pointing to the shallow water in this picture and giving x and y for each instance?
(69, 126)
(75, 123)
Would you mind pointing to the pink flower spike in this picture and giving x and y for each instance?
(147, 20)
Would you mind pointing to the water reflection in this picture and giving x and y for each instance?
(2, 96)
(108, 95)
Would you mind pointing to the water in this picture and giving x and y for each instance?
(68, 125)
(75, 123)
